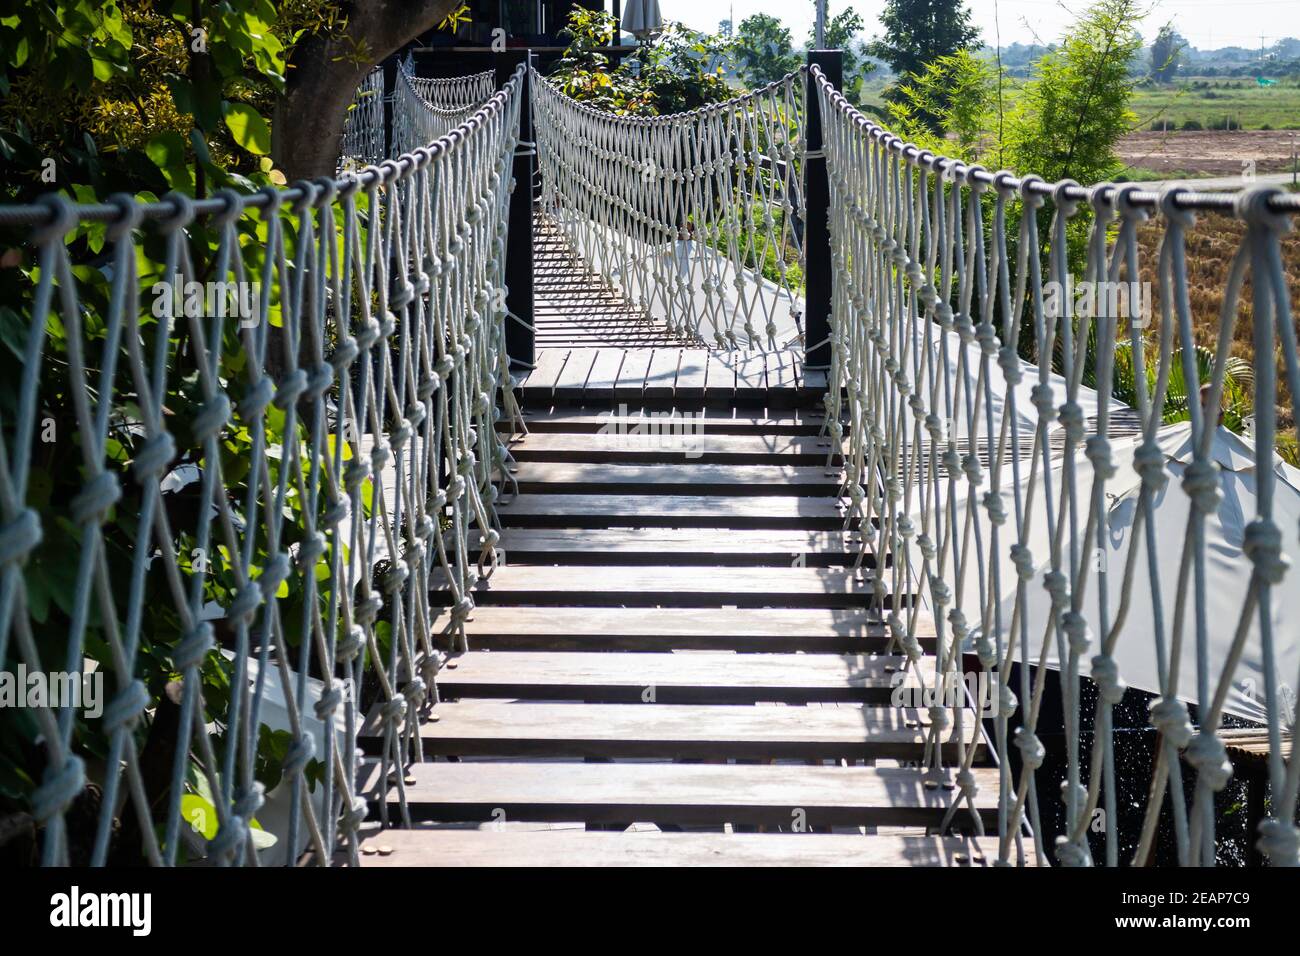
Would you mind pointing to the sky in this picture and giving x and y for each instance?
(1207, 24)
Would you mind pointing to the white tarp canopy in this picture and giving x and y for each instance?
(1227, 569)
(1026, 420)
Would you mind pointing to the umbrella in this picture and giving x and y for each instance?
(642, 17)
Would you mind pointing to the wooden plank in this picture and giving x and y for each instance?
(825, 630)
(541, 381)
(661, 377)
(632, 376)
(489, 728)
(720, 378)
(670, 511)
(782, 370)
(429, 847)
(560, 478)
(604, 374)
(751, 377)
(690, 794)
(704, 449)
(573, 378)
(814, 380)
(709, 420)
(681, 546)
(692, 371)
(681, 587)
(703, 677)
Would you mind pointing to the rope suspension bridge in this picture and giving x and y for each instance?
(708, 559)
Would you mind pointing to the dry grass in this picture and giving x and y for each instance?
(1210, 248)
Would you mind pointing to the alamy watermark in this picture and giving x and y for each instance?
(953, 691)
(54, 689)
(177, 298)
(657, 431)
(1122, 300)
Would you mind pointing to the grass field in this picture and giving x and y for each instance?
(1212, 103)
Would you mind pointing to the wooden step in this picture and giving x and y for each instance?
(709, 421)
(680, 546)
(679, 587)
(817, 630)
(701, 449)
(428, 847)
(670, 511)
(688, 794)
(473, 728)
(702, 677)
(585, 478)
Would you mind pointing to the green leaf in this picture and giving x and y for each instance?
(248, 128)
(167, 150)
(200, 814)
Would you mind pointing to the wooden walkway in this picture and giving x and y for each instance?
(674, 666)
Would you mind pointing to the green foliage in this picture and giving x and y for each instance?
(136, 97)
(956, 91)
(1166, 54)
(765, 50)
(94, 92)
(1238, 382)
(841, 34)
(680, 70)
(1072, 113)
(918, 32)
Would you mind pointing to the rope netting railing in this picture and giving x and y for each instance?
(696, 218)
(1027, 530)
(363, 128)
(426, 108)
(269, 484)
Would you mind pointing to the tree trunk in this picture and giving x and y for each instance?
(307, 129)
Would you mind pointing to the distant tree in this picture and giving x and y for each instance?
(918, 32)
(960, 91)
(1166, 54)
(841, 34)
(764, 49)
(1071, 114)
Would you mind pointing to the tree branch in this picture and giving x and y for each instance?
(324, 73)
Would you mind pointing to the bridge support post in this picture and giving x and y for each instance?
(390, 90)
(519, 239)
(817, 234)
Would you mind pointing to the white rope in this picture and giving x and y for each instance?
(927, 313)
(365, 379)
(426, 108)
(683, 214)
(363, 128)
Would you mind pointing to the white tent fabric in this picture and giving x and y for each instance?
(642, 17)
(950, 366)
(1228, 571)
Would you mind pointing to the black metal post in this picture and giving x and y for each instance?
(817, 234)
(390, 90)
(519, 239)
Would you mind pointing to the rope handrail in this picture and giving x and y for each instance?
(981, 486)
(426, 108)
(696, 218)
(1185, 198)
(339, 437)
(751, 96)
